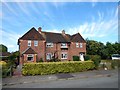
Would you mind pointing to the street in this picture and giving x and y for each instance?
(108, 81)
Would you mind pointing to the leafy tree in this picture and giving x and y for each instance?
(98, 48)
(3, 48)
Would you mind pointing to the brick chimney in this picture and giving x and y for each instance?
(39, 29)
(63, 32)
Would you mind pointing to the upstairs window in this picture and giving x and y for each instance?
(63, 44)
(77, 44)
(49, 44)
(29, 42)
(35, 43)
(81, 45)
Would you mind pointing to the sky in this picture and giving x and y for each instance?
(93, 20)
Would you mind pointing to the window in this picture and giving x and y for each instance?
(30, 57)
(35, 43)
(49, 56)
(49, 44)
(81, 45)
(29, 42)
(63, 44)
(77, 44)
(64, 56)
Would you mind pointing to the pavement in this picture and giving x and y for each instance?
(19, 79)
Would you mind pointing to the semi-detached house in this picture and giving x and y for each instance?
(37, 44)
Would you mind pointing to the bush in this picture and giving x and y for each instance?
(5, 69)
(41, 60)
(86, 57)
(56, 67)
(75, 58)
(115, 63)
(96, 59)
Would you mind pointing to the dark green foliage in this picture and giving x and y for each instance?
(96, 59)
(41, 60)
(105, 51)
(12, 59)
(55, 60)
(3, 48)
(75, 58)
(86, 57)
(56, 67)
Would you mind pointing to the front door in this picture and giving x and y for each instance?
(81, 56)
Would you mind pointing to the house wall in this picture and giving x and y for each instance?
(40, 49)
(75, 51)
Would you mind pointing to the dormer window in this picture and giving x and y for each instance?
(29, 42)
(49, 44)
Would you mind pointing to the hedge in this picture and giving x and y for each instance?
(56, 67)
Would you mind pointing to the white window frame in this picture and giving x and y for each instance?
(30, 55)
(49, 56)
(49, 44)
(29, 42)
(64, 54)
(81, 45)
(35, 43)
(64, 45)
(77, 45)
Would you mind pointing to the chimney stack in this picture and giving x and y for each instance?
(63, 32)
(39, 29)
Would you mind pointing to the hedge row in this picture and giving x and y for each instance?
(56, 67)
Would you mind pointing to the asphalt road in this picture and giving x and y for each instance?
(92, 82)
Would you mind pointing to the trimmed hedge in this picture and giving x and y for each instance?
(56, 67)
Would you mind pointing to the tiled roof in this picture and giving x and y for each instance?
(54, 37)
(29, 50)
(32, 34)
(77, 38)
(3, 54)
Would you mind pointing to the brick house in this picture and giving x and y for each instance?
(37, 44)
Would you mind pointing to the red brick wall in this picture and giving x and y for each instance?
(75, 51)
(40, 49)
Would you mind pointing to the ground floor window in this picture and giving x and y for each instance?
(64, 55)
(49, 56)
(30, 57)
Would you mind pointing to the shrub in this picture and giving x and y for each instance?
(86, 57)
(75, 58)
(5, 69)
(41, 60)
(56, 67)
(96, 59)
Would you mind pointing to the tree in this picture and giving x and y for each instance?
(3, 48)
(98, 48)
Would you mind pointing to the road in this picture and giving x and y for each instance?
(92, 82)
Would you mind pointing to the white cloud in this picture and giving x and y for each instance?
(98, 28)
(9, 39)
